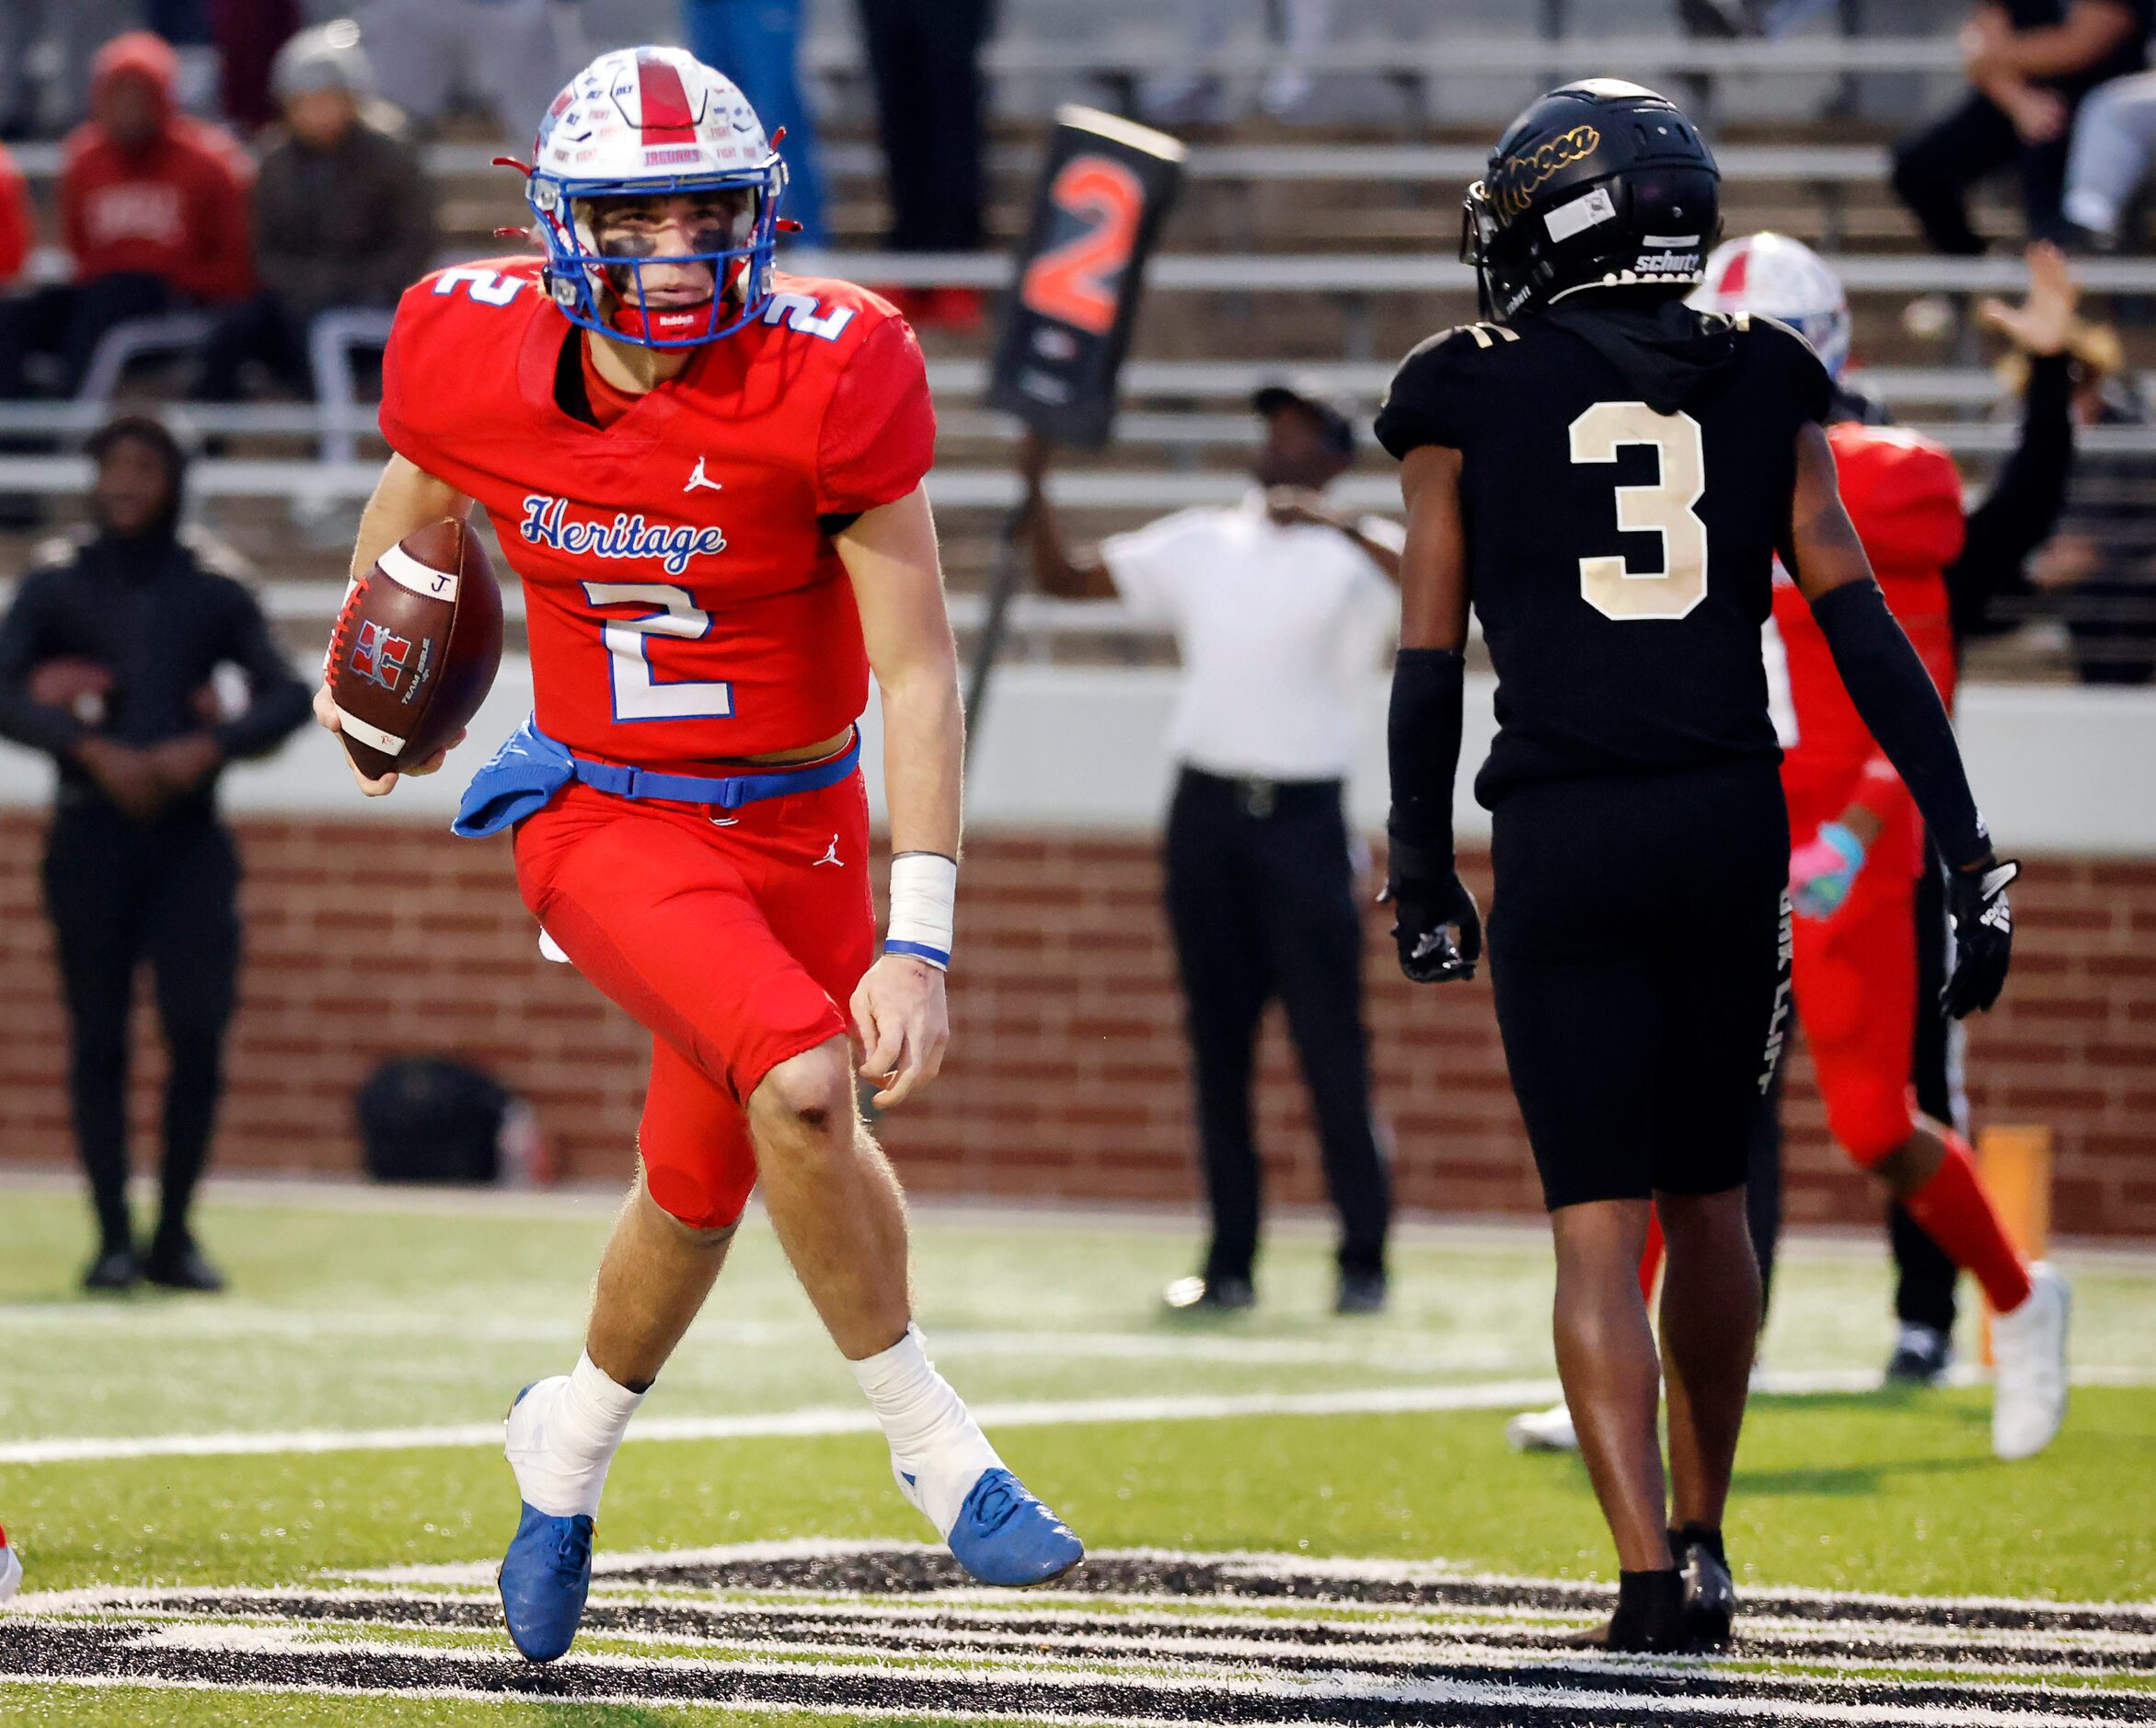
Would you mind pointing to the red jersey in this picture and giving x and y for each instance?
(1904, 496)
(682, 598)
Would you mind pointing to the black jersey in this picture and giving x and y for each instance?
(1626, 480)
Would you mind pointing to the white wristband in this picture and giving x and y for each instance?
(924, 891)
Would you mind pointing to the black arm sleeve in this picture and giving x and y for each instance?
(1421, 737)
(2023, 505)
(278, 702)
(38, 724)
(1900, 705)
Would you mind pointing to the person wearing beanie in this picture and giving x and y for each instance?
(153, 211)
(108, 659)
(343, 215)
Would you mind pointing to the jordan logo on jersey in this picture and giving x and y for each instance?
(697, 482)
(547, 521)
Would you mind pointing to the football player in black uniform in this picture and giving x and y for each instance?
(1606, 476)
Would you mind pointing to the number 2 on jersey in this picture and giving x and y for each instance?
(636, 697)
(1610, 585)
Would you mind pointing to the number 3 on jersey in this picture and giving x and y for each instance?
(1610, 585)
(637, 696)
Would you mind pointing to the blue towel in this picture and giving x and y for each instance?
(520, 781)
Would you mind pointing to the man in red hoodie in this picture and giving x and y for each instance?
(152, 209)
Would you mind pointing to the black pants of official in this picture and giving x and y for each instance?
(1260, 898)
(926, 57)
(120, 893)
(1934, 169)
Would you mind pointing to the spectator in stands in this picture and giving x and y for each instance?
(248, 34)
(153, 206)
(757, 44)
(107, 662)
(2113, 148)
(75, 30)
(1294, 29)
(925, 57)
(1282, 607)
(19, 228)
(2029, 64)
(343, 215)
(515, 54)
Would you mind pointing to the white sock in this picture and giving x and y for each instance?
(563, 1436)
(933, 1437)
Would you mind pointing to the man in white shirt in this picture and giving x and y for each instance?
(1281, 608)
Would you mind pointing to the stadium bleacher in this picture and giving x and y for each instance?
(1324, 249)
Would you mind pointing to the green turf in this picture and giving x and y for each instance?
(395, 1318)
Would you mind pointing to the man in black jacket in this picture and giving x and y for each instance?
(107, 662)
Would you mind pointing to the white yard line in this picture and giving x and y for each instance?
(853, 1418)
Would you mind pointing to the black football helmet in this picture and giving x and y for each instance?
(1599, 181)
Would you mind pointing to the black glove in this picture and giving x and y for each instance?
(1435, 922)
(1983, 937)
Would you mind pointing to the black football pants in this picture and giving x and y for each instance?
(120, 893)
(1260, 898)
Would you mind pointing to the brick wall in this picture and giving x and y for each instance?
(1066, 1074)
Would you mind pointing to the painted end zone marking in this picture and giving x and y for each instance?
(735, 1626)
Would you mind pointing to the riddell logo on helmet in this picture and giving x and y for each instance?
(1519, 177)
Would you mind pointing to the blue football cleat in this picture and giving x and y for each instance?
(547, 1572)
(544, 1579)
(1005, 1535)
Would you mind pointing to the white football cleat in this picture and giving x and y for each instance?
(10, 1569)
(1543, 1431)
(2028, 1346)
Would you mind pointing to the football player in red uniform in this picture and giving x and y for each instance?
(1860, 847)
(709, 475)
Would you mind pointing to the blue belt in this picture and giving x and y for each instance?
(529, 770)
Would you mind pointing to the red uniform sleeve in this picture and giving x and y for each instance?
(16, 227)
(879, 434)
(394, 415)
(1903, 495)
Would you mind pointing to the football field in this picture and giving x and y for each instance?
(285, 1505)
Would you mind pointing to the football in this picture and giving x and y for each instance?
(416, 647)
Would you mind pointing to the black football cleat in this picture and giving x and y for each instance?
(1921, 1355)
(180, 1266)
(1361, 1293)
(1710, 1593)
(1649, 1622)
(114, 1269)
(1210, 1295)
